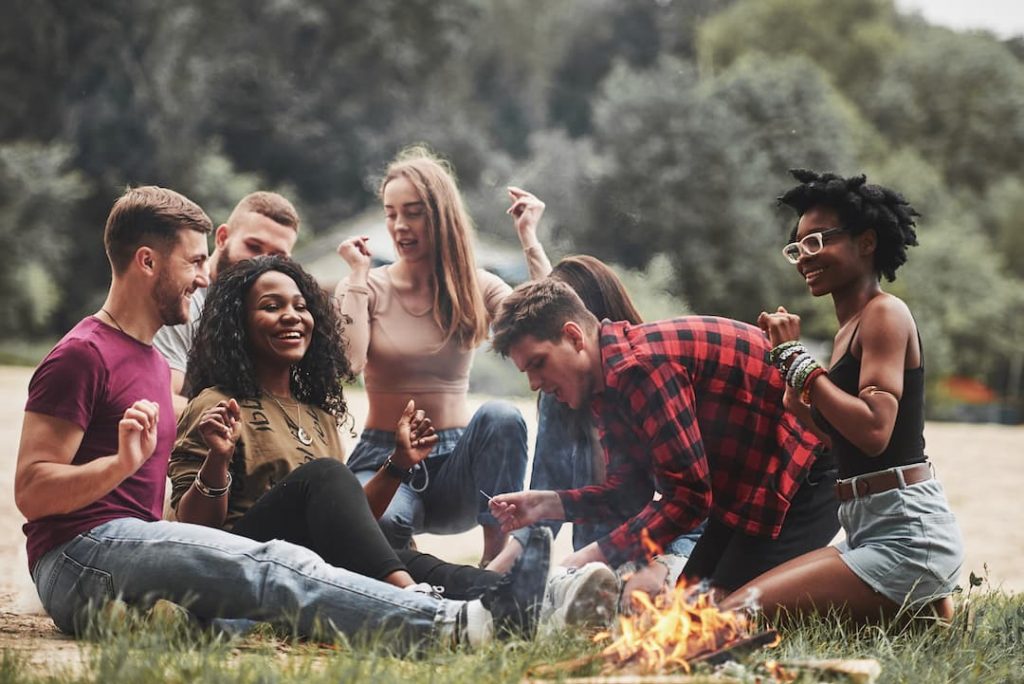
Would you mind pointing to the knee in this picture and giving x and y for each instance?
(398, 525)
(943, 609)
(318, 468)
(501, 418)
(329, 472)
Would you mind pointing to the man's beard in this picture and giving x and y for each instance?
(169, 302)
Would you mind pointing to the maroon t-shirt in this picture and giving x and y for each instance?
(93, 375)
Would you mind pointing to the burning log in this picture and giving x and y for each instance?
(739, 649)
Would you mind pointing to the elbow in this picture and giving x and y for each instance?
(874, 442)
(27, 504)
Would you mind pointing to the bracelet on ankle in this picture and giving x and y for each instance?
(212, 492)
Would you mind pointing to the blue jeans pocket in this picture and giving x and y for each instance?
(74, 590)
(888, 504)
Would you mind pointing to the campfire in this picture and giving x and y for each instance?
(674, 630)
(668, 634)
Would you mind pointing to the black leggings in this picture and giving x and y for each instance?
(730, 559)
(321, 505)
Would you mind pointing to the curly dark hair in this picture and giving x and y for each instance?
(860, 205)
(220, 355)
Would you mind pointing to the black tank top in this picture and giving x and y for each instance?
(906, 446)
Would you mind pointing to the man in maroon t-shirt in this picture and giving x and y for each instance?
(93, 417)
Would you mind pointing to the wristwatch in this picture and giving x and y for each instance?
(400, 474)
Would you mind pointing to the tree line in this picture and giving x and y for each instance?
(654, 129)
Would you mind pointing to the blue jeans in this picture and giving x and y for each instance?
(444, 497)
(684, 543)
(563, 459)
(217, 574)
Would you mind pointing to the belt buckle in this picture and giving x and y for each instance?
(861, 487)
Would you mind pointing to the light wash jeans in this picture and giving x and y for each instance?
(563, 459)
(216, 574)
(444, 497)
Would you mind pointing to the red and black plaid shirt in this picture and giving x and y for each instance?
(691, 408)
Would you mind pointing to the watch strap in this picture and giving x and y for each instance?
(400, 474)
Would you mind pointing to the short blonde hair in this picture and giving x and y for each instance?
(275, 207)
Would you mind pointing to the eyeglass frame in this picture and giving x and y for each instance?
(818, 236)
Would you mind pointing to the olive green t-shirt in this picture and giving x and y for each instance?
(268, 449)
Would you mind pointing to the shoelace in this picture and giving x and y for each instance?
(434, 590)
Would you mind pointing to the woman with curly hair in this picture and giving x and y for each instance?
(258, 450)
(903, 549)
(415, 326)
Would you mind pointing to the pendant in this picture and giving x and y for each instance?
(303, 436)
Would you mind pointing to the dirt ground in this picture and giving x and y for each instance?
(981, 467)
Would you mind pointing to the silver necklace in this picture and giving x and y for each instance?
(300, 432)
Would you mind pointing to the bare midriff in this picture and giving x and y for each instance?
(445, 410)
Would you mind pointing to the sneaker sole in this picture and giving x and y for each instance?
(593, 604)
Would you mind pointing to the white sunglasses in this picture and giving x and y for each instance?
(809, 245)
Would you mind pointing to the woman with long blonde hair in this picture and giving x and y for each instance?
(414, 327)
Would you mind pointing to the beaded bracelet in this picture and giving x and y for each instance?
(212, 492)
(788, 356)
(773, 355)
(801, 377)
(798, 368)
(805, 388)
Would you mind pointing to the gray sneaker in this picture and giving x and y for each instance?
(582, 597)
(515, 601)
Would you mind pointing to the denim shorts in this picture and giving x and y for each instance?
(904, 542)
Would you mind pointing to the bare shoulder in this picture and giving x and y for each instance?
(886, 319)
(888, 310)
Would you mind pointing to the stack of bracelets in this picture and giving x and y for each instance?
(797, 366)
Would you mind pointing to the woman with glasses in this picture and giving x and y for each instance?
(903, 549)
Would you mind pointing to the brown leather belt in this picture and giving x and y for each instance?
(882, 481)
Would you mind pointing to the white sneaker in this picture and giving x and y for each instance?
(581, 597)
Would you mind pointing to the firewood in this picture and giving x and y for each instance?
(857, 671)
(639, 679)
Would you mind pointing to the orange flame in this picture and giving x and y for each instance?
(671, 630)
(651, 547)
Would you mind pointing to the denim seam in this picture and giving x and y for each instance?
(271, 561)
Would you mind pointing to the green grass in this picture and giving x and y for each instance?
(984, 644)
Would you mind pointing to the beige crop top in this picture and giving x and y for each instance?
(403, 352)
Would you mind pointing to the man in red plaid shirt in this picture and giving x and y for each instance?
(689, 408)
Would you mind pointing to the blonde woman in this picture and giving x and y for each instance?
(414, 327)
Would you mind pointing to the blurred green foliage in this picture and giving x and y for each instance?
(659, 133)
